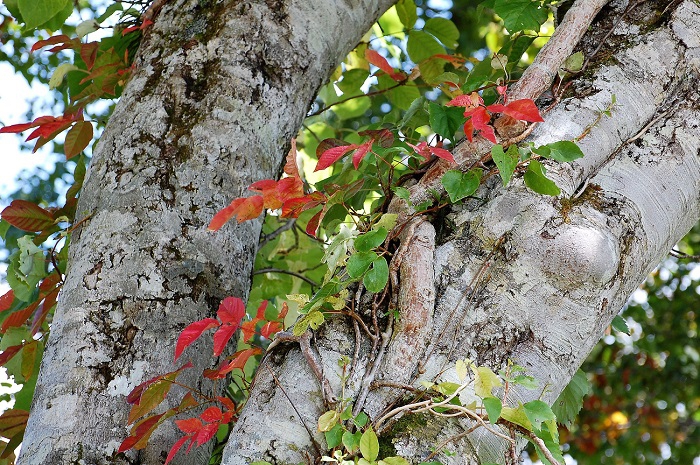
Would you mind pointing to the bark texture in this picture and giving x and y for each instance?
(219, 91)
(520, 276)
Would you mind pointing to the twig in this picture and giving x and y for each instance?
(291, 273)
(540, 443)
(268, 237)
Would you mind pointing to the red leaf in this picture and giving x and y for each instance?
(361, 152)
(206, 433)
(480, 118)
(49, 128)
(523, 110)
(248, 329)
(290, 167)
(289, 188)
(421, 149)
(260, 314)
(245, 208)
(469, 101)
(27, 216)
(222, 336)
(6, 300)
(442, 153)
(18, 318)
(283, 312)
(16, 128)
(79, 136)
(176, 447)
(268, 188)
(192, 332)
(8, 353)
(270, 328)
(59, 39)
(312, 225)
(240, 359)
(189, 425)
(469, 130)
(212, 414)
(332, 155)
(380, 62)
(231, 310)
(228, 403)
(140, 433)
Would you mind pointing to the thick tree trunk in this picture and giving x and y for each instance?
(219, 91)
(520, 276)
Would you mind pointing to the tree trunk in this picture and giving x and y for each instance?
(520, 276)
(218, 93)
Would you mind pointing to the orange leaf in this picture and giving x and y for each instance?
(27, 216)
(380, 62)
(140, 433)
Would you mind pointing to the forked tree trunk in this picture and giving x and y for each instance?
(218, 93)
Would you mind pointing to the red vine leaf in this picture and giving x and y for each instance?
(222, 336)
(332, 155)
(10, 352)
(27, 216)
(380, 62)
(6, 300)
(192, 332)
(176, 447)
(231, 310)
(523, 110)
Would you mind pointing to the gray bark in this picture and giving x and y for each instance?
(524, 277)
(219, 91)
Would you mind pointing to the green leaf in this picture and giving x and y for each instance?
(537, 412)
(328, 421)
(406, 9)
(460, 185)
(394, 461)
(562, 151)
(387, 221)
(361, 419)
(446, 120)
(570, 401)
(517, 416)
(444, 29)
(359, 263)
(370, 240)
(446, 387)
(485, 381)
(519, 15)
(37, 12)
(351, 441)
(619, 324)
(402, 193)
(536, 180)
(572, 64)
(334, 436)
(369, 445)
(312, 320)
(376, 278)
(505, 161)
(481, 73)
(422, 45)
(493, 408)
